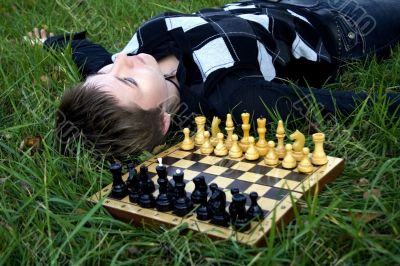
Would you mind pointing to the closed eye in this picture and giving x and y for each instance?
(132, 81)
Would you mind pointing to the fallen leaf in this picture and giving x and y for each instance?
(367, 217)
(33, 143)
(363, 182)
(373, 192)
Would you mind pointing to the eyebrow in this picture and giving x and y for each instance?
(120, 79)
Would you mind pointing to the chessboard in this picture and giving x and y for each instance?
(278, 191)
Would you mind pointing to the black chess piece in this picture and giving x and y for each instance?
(119, 189)
(241, 222)
(162, 173)
(254, 210)
(145, 180)
(146, 189)
(182, 205)
(200, 190)
(163, 202)
(133, 183)
(217, 205)
(232, 205)
(178, 179)
(203, 212)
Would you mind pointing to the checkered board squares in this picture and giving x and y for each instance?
(278, 190)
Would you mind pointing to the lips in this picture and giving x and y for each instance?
(140, 59)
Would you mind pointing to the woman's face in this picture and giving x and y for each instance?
(133, 79)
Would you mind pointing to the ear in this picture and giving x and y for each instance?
(166, 122)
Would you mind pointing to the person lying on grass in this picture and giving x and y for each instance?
(218, 61)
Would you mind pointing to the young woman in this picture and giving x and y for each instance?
(218, 61)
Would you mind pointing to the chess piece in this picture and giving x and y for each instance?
(187, 143)
(289, 162)
(235, 151)
(215, 130)
(229, 127)
(206, 147)
(280, 135)
(251, 153)
(203, 212)
(146, 189)
(182, 204)
(163, 200)
(119, 189)
(199, 137)
(298, 144)
(271, 159)
(244, 142)
(254, 211)
(241, 222)
(200, 190)
(217, 205)
(133, 184)
(232, 206)
(319, 157)
(220, 149)
(305, 165)
(261, 145)
(145, 180)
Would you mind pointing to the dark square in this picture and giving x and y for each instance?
(208, 177)
(268, 181)
(240, 184)
(226, 163)
(295, 176)
(171, 170)
(276, 193)
(151, 175)
(232, 173)
(199, 167)
(169, 160)
(194, 157)
(260, 169)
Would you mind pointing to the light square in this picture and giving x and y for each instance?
(215, 170)
(189, 174)
(250, 177)
(183, 164)
(260, 189)
(222, 182)
(243, 166)
(189, 187)
(288, 184)
(179, 154)
(267, 204)
(152, 168)
(210, 160)
(276, 172)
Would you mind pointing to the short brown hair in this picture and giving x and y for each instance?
(93, 117)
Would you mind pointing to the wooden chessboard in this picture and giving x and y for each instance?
(278, 189)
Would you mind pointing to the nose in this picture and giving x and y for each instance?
(121, 62)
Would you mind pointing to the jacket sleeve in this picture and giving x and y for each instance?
(88, 56)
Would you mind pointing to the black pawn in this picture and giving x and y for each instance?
(163, 201)
(119, 189)
(241, 222)
(178, 179)
(133, 184)
(200, 190)
(183, 205)
(146, 187)
(232, 207)
(254, 210)
(203, 212)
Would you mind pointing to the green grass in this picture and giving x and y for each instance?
(44, 216)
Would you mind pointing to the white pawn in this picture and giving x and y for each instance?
(251, 153)
(206, 147)
(220, 149)
(289, 162)
(305, 165)
(271, 159)
(235, 151)
(187, 143)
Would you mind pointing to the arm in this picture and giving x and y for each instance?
(88, 56)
